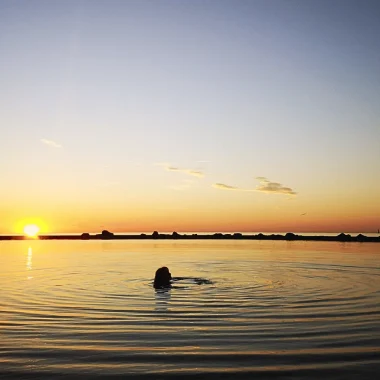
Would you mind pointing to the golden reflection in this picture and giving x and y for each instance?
(29, 261)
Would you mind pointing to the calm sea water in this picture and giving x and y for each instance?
(260, 309)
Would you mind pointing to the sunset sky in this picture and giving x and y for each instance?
(201, 115)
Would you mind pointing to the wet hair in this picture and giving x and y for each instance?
(162, 278)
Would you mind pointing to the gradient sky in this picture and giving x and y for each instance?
(259, 115)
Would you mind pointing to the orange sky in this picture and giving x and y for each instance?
(224, 210)
(205, 117)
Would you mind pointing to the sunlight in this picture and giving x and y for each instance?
(30, 226)
(31, 230)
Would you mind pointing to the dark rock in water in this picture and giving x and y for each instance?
(290, 236)
(107, 235)
(361, 237)
(343, 237)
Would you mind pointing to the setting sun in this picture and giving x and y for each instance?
(31, 230)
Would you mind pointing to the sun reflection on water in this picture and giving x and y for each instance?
(29, 261)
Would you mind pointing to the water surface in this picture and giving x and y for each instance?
(271, 309)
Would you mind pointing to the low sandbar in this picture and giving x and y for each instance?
(105, 235)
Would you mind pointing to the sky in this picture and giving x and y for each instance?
(202, 115)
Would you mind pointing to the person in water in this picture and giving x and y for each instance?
(163, 278)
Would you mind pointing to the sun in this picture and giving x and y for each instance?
(31, 230)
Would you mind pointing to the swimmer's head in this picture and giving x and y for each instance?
(162, 278)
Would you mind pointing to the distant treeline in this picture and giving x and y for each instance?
(106, 235)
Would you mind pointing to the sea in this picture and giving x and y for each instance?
(241, 310)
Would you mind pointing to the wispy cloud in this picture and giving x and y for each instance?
(192, 172)
(224, 187)
(265, 186)
(195, 173)
(51, 143)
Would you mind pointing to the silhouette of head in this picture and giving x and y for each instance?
(162, 278)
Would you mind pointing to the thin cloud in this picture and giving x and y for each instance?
(267, 186)
(51, 143)
(192, 172)
(222, 186)
(195, 173)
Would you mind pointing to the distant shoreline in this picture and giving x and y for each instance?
(106, 235)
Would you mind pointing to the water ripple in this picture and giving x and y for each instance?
(303, 315)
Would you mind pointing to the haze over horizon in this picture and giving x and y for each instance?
(207, 116)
